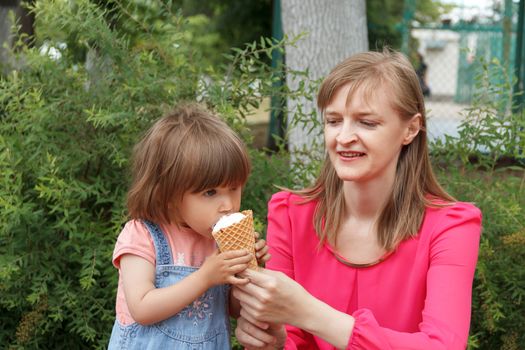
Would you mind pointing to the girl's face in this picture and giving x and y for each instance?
(201, 210)
(364, 136)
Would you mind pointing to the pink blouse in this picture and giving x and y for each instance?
(418, 298)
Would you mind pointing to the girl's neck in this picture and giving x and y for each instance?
(365, 200)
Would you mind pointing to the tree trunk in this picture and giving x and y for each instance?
(5, 38)
(25, 20)
(27, 23)
(335, 30)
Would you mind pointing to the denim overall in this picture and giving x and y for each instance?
(202, 325)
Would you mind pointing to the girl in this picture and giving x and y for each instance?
(375, 255)
(188, 171)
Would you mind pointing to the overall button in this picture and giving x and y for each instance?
(165, 274)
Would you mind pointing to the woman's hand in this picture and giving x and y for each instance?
(271, 297)
(253, 337)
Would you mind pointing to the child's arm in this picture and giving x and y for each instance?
(262, 255)
(148, 304)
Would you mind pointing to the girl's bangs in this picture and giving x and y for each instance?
(218, 163)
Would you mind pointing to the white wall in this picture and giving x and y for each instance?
(440, 49)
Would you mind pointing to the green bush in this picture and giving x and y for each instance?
(484, 164)
(67, 128)
(66, 133)
(498, 309)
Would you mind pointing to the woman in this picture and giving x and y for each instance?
(375, 255)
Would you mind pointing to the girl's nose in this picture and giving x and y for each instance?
(226, 204)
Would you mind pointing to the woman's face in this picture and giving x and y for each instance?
(364, 136)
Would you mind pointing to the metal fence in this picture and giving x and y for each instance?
(453, 55)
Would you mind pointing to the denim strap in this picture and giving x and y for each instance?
(162, 248)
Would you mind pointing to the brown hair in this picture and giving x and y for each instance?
(415, 185)
(189, 149)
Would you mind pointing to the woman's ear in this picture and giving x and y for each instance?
(413, 127)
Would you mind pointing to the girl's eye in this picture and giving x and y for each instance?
(210, 193)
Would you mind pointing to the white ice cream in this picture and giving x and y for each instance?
(228, 220)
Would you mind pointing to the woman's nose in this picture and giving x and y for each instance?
(346, 134)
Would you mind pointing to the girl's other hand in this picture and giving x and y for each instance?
(261, 250)
(221, 268)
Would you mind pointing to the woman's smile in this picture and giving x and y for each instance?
(350, 155)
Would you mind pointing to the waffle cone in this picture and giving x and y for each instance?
(238, 236)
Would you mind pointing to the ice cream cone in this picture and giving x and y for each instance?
(239, 235)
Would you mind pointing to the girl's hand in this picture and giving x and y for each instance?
(221, 268)
(255, 338)
(261, 250)
(272, 297)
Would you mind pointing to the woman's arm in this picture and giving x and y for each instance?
(148, 304)
(273, 297)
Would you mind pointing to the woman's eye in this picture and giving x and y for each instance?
(210, 193)
(368, 123)
(331, 121)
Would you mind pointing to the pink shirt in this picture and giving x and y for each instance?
(418, 298)
(188, 248)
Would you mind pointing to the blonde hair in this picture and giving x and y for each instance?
(415, 185)
(189, 149)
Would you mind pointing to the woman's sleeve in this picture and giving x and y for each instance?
(446, 314)
(280, 239)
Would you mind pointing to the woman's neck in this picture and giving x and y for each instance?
(365, 200)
